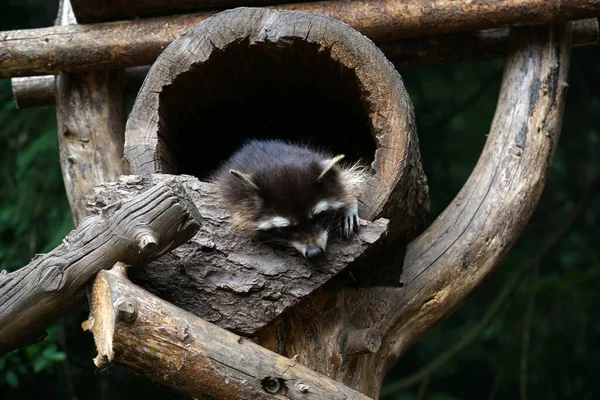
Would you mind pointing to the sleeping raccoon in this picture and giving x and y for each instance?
(292, 194)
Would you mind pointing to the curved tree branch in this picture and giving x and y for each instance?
(509, 288)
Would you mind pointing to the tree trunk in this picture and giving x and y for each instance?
(90, 112)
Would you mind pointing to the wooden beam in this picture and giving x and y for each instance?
(156, 339)
(40, 91)
(37, 91)
(88, 11)
(135, 232)
(138, 42)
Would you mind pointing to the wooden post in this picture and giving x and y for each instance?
(90, 111)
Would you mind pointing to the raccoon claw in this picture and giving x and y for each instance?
(350, 222)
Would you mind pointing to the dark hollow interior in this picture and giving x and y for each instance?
(289, 90)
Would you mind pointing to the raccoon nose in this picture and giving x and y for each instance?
(314, 253)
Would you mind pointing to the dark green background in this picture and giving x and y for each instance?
(543, 337)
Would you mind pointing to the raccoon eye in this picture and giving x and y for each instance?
(284, 232)
(324, 217)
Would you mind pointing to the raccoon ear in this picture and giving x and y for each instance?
(330, 164)
(244, 178)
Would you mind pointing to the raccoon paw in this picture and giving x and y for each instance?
(350, 223)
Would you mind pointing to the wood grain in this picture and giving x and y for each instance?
(134, 232)
(202, 360)
(140, 41)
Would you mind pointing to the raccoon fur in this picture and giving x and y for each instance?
(291, 194)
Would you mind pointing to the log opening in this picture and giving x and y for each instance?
(283, 89)
(248, 73)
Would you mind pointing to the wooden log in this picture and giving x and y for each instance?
(228, 279)
(49, 51)
(288, 75)
(88, 11)
(465, 243)
(40, 91)
(37, 91)
(134, 232)
(180, 350)
(90, 112)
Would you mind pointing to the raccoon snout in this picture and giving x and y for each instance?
(313, 254)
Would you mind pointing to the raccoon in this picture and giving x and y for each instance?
(291, 194)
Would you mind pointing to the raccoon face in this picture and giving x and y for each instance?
(295, 205)
(308, 235)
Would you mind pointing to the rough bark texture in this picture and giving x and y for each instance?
(467, 241)
(288, 75)
(138, 42)
(156, 339)
(90, 112)
(226, 278)
(133, 232)
(37, 91)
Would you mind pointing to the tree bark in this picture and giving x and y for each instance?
(90, 113)
(156, 339)
(38, 91)
(133, 232)
(465, 243)
(225, 277)
(138, 42)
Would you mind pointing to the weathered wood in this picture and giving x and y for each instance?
(471, 46)
(226, 278)
(288, 75)
(181, 350)
(465, 243)
(129, 43)
(90, 112)
(133, 232)
(114, 10)
(37, 91)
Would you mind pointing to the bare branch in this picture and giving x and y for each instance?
(34, 296)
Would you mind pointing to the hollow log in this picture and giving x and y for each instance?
(37, 91)
(180, 350)
(465, 243)
(90, 112)
(135, 232)
(289, 75)
(49, 51)
(225, 277)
